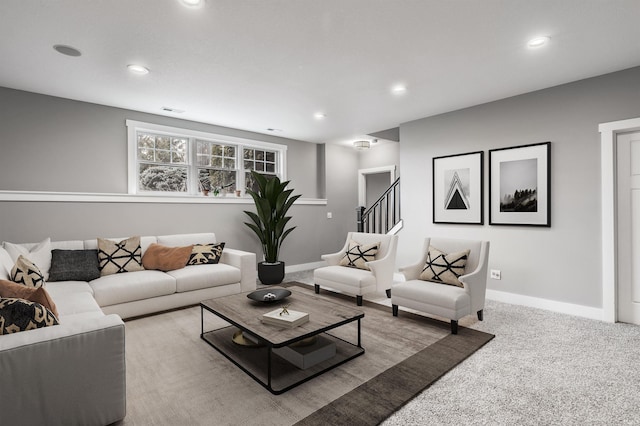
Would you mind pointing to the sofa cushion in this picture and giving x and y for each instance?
(20, 291)
(450, 297)
(21, 315)
(206, 254)
(38, 253)
(358, 254)
(76, 303)
(27, 273)
(74, 265)
(204, 276)
(165, 258)
(6, 264)
(121, 256)
(444, 268)
(121, 288)
(60, 288)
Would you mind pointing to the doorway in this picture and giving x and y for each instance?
(373, 182)
(628, 180)
(616, 248)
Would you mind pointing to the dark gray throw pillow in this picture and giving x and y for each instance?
(74, 265)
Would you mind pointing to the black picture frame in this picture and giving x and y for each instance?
(520, 185)
(458, 189)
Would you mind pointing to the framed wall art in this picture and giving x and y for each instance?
(520, 185)
(458, 185)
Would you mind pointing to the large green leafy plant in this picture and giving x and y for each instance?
(272, 202)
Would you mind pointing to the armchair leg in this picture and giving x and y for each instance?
(359, 300)
(316, 287)
(388, 293)
(480, 315)
(454, 327)
(394, 309)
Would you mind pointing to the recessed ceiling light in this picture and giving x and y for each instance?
(138, 69)
(538, 42)
(192, 3)
(399, 89)
(319, 115)
(66, 50)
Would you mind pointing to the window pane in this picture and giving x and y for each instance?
(216, 150)
(248, 165)
(248, 154)
(162, 178)
(223, 180)
(179, 145)
(260, 167)
(259, 155)
(203, 148)
(230, 151)
(163, 156)
(216, 162)
(178, 157)
(229, 163)
(271, 168)
(145, 154)
(202, 160)
(271, 156)
(162, 142)
(146, 141)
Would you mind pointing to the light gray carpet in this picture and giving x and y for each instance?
(542, 368)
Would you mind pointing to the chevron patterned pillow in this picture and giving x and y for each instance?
(358, 254)
(116, 257)
(444, 268)
(27, 273)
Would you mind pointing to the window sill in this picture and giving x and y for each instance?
(83, 197)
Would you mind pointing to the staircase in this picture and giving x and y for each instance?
(383, 217)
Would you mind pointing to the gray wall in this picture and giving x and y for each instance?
(383, 154)
(61, 145)
(561, 263)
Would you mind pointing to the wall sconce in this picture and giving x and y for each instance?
(361, 145)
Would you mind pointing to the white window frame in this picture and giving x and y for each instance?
(133, 127)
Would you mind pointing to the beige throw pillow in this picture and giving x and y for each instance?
(25, 272)
(444, 268)
(117, 257)
(358, 254)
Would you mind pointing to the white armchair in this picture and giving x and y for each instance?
(443, 300)
(355, 281)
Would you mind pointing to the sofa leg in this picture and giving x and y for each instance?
(316, 287)
(394, 309)
(388, 293)
(359, 300)
(454, 327)
(480, 315)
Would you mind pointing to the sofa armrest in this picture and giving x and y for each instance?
(73, 373)
(246, 262)
(333, 258)
(412, 272)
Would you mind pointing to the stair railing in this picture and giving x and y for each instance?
(384, 215)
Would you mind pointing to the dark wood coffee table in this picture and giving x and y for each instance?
(258, 361)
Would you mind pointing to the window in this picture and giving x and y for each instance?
(176, 161)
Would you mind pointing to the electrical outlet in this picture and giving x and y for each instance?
(495, 274)
(329, 215)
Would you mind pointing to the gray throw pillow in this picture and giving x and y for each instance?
(74, 265)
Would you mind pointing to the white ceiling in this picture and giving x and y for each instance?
(259, 64)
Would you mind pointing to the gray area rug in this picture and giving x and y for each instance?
(173, 377)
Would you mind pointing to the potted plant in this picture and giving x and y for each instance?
(272, 201)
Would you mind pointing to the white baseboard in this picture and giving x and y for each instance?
(304, 266)
(549, 305)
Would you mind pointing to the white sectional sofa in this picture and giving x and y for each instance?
(74, 372)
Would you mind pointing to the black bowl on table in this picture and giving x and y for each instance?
(269, 295)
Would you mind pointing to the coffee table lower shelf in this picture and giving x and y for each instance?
(268, 369)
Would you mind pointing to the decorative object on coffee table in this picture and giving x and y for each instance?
(272, 201)
(269, 295)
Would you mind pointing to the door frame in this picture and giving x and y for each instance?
(608, 193)
(362, 180)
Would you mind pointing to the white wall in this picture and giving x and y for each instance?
(561, 263)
